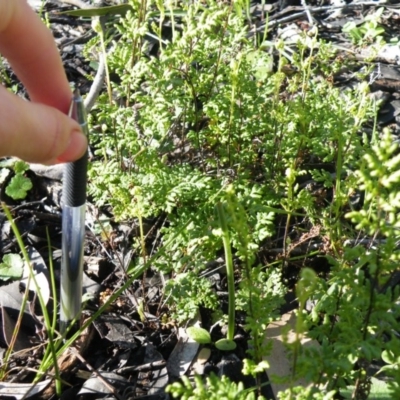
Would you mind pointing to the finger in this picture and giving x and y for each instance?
(30, 48)
(44, 134)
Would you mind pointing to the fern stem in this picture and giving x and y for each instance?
(229, 270)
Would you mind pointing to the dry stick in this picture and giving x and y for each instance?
(96, 85)
(307, 11)
(314, 10)
(101, 70)
(113, 390)
(142, 368)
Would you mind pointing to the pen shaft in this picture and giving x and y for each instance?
(75, 173)
(73, 226)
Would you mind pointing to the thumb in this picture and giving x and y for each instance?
(37, 133)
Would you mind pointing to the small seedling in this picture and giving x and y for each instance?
(199, 335)
(12, 267)
(19, 184)
(368, 32)
(202, 336)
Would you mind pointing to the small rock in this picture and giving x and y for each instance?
(204, 355)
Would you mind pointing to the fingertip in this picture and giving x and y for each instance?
(76, 147)
(38, 133)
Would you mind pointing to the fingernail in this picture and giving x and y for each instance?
(76, 147)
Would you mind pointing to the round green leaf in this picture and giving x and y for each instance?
(199, 335)
(18, 187)
(11, 267)
(20, 167)
(225, 345)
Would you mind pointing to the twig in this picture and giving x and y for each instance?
(113, 390)
(307, 11)
(144, 367)
(314, 10)
(97, 84)
(98, 81)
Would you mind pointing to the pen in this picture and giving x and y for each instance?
(73, 225)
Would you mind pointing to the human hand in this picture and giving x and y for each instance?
(39, 130)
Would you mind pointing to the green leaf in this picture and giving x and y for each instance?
(225, 345)
(388, 357)
(199, 335)
(20, 167)
(379, 390)
(18, 187)
(389, 367)
(11, 267)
